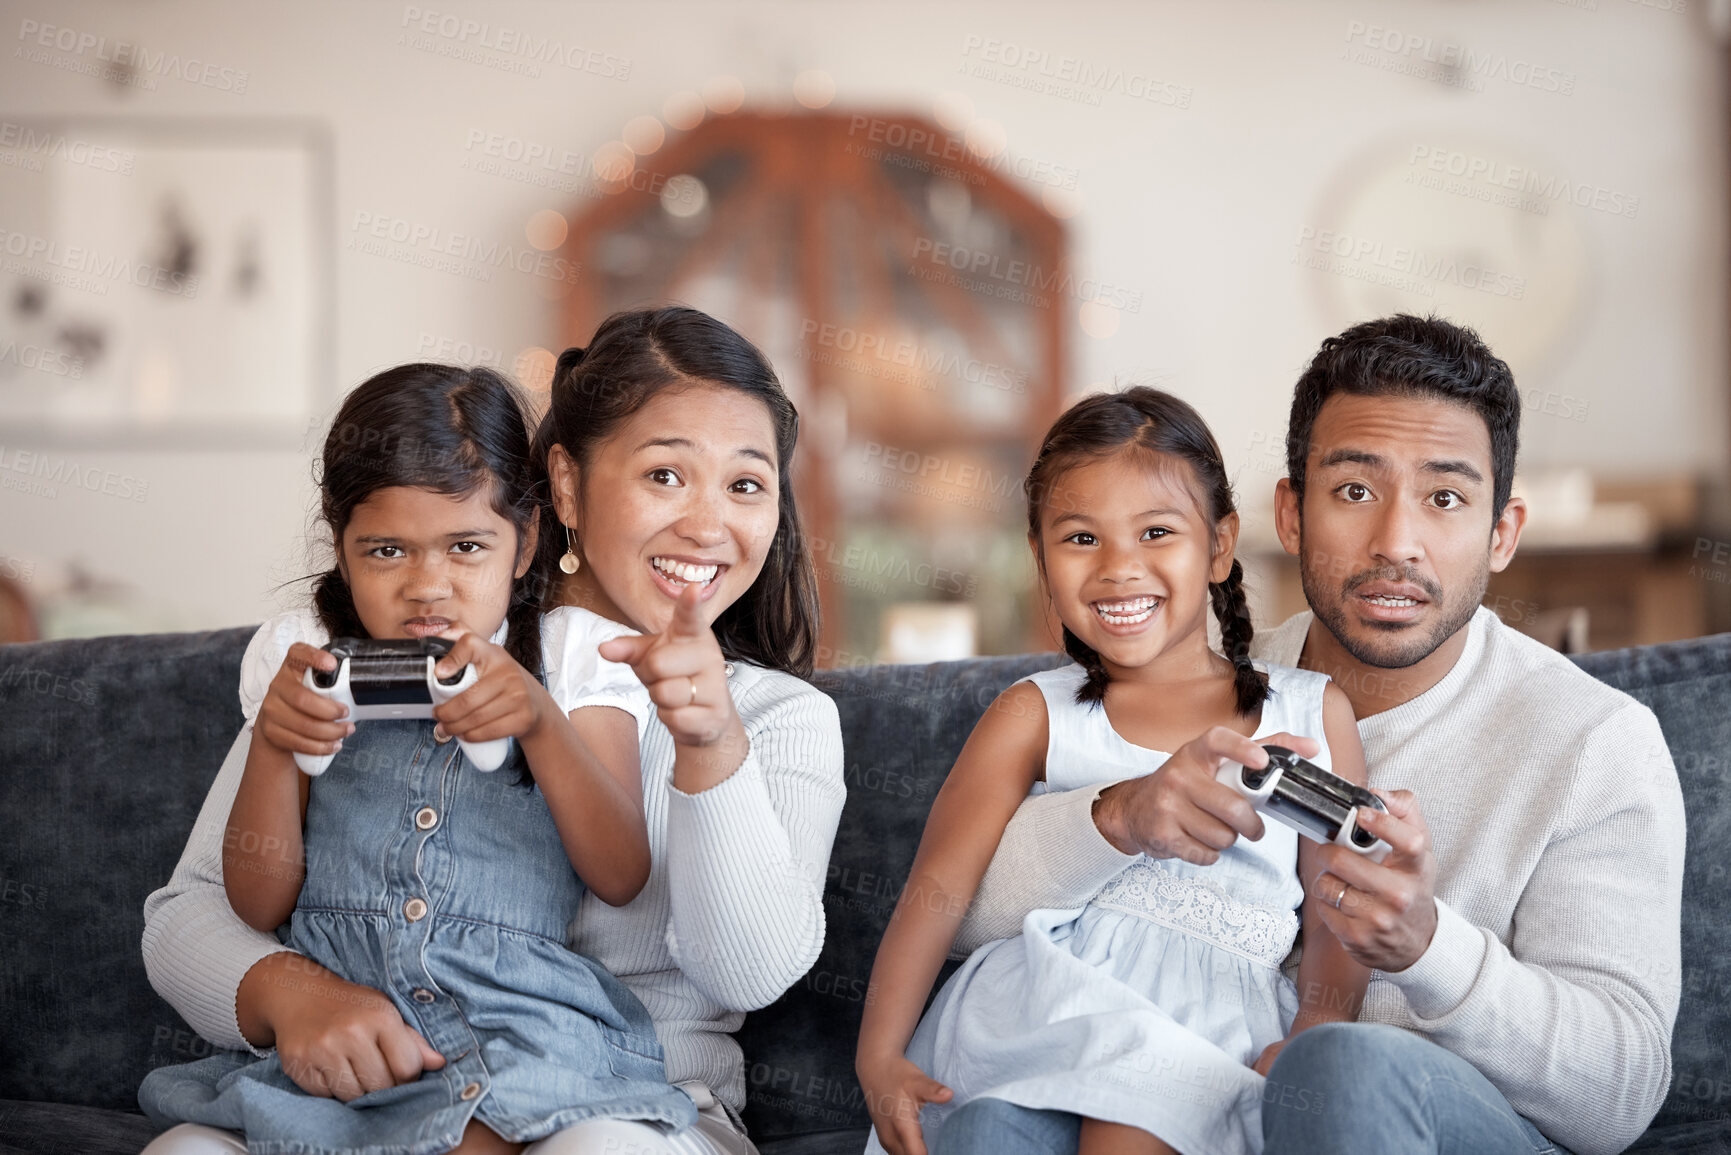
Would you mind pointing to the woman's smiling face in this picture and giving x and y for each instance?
(687, 489)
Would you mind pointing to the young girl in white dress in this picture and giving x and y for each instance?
(1153, 1012)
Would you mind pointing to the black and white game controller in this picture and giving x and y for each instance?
(392, 679)
(1321, 806)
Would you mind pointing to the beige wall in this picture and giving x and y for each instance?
(1235, 146)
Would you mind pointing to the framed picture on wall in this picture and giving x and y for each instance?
(163, 282)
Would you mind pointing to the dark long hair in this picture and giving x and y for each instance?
(443, 428)
(632, 357)
(1148, 419)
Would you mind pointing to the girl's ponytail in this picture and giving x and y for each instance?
(1232, 608)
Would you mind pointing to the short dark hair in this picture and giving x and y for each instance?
(633, 356)
(1407, 356)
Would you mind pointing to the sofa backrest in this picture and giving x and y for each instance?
(1687, 685)
(107, 747)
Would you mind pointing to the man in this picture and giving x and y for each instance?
(1524, 930)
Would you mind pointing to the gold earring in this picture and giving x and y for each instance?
(570, 562)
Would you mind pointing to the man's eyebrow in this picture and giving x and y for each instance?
(1465, 469)
(684, 443)
(1370, 460)
(1353, 457)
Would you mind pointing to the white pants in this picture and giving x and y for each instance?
(714, 1133)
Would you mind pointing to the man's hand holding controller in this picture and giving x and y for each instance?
(1386, 913)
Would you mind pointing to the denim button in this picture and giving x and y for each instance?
(471, 1091)
(423, 995)
(415, 910)
(426, 818)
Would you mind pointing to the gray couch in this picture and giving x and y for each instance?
(107, 748)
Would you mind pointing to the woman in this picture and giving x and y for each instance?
(667, 444)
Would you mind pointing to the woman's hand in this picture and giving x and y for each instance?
(506, 700)
(335, 1039)
(895, 1090)
(686, 676)
(292, 718)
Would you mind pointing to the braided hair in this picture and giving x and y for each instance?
(1148, 419)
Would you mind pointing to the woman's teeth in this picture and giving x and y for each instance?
(1128, 612)
(685, 571)
(1386, 600)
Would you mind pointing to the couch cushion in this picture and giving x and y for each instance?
(1687, 685)
(901, 728)
(107, 749)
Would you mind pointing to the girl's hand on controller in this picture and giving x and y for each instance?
(895, 1091)
(506, 700)
(292, 718)
(336, 1039)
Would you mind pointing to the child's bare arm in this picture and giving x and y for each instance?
(592, 782)
(590, 774)
(263, 862)
(996, 768)
(1331, 985)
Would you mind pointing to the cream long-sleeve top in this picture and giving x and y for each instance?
(1556, 820)
(732, 914)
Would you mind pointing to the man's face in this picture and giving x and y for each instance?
(1395, 538)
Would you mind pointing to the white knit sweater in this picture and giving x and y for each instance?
(1557, 824)
(731, 917)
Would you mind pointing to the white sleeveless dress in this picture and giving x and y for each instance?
(1147, 1006)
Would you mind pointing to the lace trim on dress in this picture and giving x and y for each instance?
(1148, 890)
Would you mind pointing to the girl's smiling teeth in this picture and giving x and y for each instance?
(1126, 611)
(685, 572)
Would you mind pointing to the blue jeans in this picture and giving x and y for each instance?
(1345, 1088)
(1337, 1089)
(998, 1127)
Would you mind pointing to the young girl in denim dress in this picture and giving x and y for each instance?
(405, 867)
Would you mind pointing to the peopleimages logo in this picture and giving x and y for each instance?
(1457, 61)
(994, 275)
(1531, 188)
(29, 466)
(1399, 266)
(415, 243)
(519, 47)
(125, 57)
(86, 269)
(27, 148)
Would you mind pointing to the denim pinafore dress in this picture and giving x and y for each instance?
(448, 889)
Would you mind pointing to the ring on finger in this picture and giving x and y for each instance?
(1341, 893)
(693, 700)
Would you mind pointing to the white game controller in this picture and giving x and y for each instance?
(1321, 806)
(393, 680)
